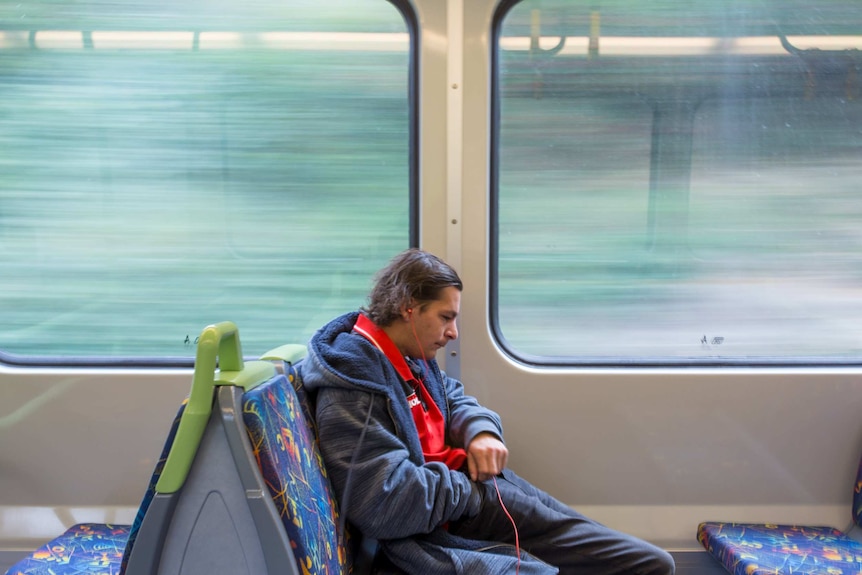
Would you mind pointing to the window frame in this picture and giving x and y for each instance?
(541, 361)
(410, 17)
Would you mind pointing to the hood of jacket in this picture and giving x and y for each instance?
(339, 358)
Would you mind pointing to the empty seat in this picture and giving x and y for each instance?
(762, 548)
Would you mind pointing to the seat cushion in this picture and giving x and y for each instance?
(760, 549)
(85, 548)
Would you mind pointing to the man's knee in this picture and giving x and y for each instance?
(660, 563)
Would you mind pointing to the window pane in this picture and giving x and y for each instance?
(678, 181)
(166, 165)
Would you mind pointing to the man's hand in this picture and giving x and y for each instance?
(486, 456)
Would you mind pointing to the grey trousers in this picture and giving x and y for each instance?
(559, 535)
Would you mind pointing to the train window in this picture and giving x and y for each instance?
(676, 182)
(170, 164)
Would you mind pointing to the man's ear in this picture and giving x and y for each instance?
(407, 312)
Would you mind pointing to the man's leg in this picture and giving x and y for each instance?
(559, 535)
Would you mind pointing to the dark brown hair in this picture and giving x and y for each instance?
(413, 277)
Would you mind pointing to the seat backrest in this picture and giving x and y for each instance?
(151, 488)
(284, 442)
(210, 510)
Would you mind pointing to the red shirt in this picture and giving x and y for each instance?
(426, 414)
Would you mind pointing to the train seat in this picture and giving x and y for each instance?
(279, 419)
(240, 487)
(364, 554)
(760, 549)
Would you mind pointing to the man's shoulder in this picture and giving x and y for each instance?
(339, 358)
(341, 323)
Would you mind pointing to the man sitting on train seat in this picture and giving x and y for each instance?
(419, 465)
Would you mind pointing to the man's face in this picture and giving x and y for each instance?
(433, 324)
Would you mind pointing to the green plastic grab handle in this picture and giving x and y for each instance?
(219, 345)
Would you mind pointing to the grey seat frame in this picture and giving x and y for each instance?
(223, 520)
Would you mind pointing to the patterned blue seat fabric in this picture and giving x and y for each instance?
(760, 549)
(285, 445)
(85, 548)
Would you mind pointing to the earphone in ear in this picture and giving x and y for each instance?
(409, 310)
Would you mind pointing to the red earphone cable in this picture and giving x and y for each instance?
(499, 497)
(418, 344)
(515, 527)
